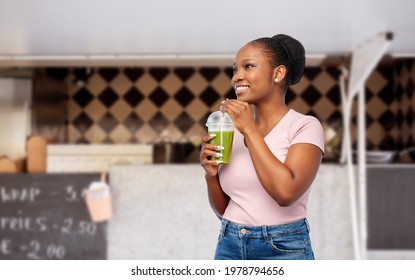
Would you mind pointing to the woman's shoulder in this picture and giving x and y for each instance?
(304, 123)
(306, 129)
(297, 118)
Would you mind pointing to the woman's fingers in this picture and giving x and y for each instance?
(209, 150)
(207, 154)
(234, 107)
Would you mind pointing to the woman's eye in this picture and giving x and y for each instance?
(247, 66)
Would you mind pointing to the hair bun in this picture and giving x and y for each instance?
(296, 56)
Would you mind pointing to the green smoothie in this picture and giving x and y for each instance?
(224, 139)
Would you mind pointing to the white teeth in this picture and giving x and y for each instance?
(241, 87)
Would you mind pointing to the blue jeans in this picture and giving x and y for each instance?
(281, 242)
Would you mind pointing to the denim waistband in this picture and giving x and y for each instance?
(228, 227)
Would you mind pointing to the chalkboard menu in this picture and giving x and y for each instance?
(44, 216)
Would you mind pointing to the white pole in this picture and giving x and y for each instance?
(364, 60)
(362, 169)
(345, 114)
(347, 154)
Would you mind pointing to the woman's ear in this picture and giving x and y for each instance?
(279, 73)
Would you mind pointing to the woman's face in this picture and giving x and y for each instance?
(253, 76)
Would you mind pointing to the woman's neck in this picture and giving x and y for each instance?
(269, 114)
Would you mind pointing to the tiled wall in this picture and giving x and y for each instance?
(390, 107)
(156, 104)
(404, 91)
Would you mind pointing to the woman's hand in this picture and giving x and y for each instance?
(240, 113)
(207, 151)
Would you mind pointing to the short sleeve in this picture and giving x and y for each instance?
(309, 130)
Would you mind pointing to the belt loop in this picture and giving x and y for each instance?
(307, 225)
(265, 232)
(223, 227)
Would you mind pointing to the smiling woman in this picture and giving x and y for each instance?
(278, 149)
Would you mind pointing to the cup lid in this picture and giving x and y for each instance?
(219, 117)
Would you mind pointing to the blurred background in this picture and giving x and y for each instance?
(125, 87)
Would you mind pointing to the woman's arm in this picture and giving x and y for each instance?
(218, 199)
(285, 181)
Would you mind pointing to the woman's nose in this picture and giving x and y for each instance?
(237, 76)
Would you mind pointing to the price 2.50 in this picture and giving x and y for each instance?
(70, 226)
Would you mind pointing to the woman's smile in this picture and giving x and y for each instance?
(240, 89)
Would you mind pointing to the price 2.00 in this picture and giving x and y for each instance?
(51, 251)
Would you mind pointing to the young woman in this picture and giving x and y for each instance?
(261, 196)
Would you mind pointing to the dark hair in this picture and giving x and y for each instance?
(285, 50)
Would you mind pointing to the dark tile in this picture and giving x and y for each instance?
(311, 112)
(410, 89)
(410, 117)
(159, 73)
(108, 97)
(230, 94)
(334, 72)
(410, 142)
(133, 73)
(107, 140)
(82, 140)
(387, 120)
(159, 97)
(290, 96)
(311, 95)
(399, 92)
(57, 73)
(399, 143)
(312, 72)
(335, 119)
(209, 96)
(81, 75)
(184, 73)
(387, 144)
(133, 122)
(368, 95)
(159, 122)
(184, 122)
(82, 122)
(387, 95)
(108, 73)
(229, 72)
(398, 68)
(386, 72)
(184, 96)
(133, 97)
(133, 140)
(409, 63)
(334, 96)
(399, 118)
(108, 122)
(83, 97)
(203, 119)
(209, 73)
(189, 148)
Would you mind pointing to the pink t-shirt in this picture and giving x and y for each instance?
(249, 203)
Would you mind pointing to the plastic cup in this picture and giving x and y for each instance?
(221, 125)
